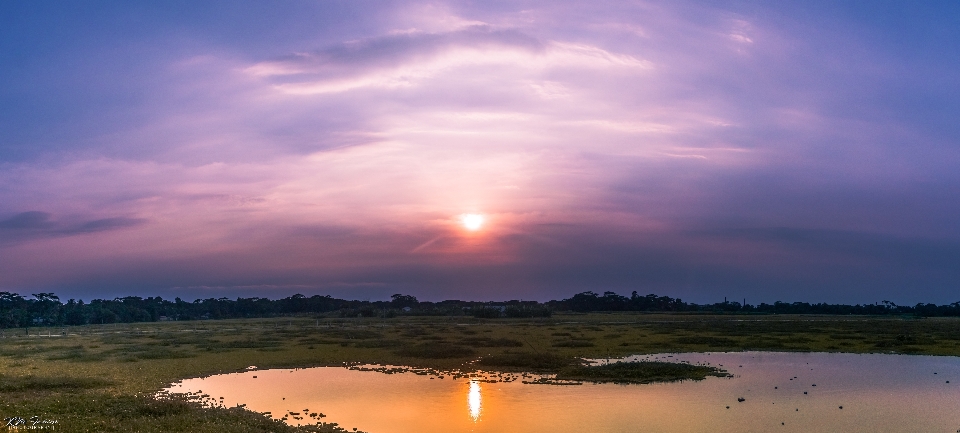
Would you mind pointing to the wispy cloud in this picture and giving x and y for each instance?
(413, 58)
(599, 139)
(34, 225)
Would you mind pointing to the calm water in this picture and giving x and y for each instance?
(878, 393)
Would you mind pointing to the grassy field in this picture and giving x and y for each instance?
(102, 378)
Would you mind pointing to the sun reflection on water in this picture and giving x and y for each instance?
(473, 400)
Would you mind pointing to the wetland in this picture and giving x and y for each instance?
(106, 377)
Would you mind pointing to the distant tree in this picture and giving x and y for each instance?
(399, 301)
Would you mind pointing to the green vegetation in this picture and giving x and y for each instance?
(639, 372)
(525, 361)
(104, 377)
(33, 383)
(438, 350)
(47, 309)
(109, 412)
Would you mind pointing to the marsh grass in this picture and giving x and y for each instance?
(435, 351)
(526, 361)
(706, 340)
(78, 355)
(41, 383)
(490, 342)
(639, 372)
(573, 343)
(159, 353)
(352, 334)
(377, 344)
(105, 412)
(213, 344)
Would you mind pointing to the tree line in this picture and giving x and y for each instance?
(611, 301)
(46, 309)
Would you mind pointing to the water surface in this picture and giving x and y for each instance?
(783, 392)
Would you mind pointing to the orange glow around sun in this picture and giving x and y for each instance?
(472, 221)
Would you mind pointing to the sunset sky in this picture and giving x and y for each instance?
(481, 150)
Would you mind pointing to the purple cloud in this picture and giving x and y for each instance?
(688, 149)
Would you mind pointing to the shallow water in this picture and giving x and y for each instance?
(878, 393)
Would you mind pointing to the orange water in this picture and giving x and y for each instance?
(879, 393)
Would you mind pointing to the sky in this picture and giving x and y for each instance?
(481, 150)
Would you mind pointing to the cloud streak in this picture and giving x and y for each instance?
(416, 58)
(35, 225)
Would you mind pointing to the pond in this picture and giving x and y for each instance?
(784, 392)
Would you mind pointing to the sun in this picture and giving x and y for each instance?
(472, 221)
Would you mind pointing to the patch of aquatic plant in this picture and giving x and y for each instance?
(398, 369)
(532, 361)
(473, 375)
(435, 351)
(639, 372)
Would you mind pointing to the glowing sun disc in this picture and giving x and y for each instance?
(472, 221)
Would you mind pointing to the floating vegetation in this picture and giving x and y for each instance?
(473, 375)
(639, 372)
